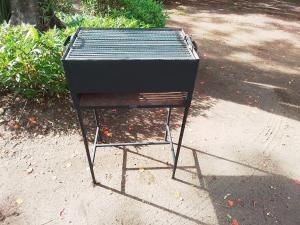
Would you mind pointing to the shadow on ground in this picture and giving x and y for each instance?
(249, 56)
(256, 199)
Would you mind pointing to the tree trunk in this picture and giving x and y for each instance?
(30, 12)
(24, 12)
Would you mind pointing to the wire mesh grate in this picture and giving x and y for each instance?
(130, 44)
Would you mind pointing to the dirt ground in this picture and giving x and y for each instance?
(240, 163)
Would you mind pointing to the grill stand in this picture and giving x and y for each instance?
(98, 137)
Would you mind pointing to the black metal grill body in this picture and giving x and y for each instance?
(134, 68)
(130, 60)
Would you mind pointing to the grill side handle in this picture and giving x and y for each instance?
(192, 44)
(68, 41)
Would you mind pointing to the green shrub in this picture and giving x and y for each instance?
(148, 11)
(99, 7)
(65, 6)
(30, 60)
(77, 20)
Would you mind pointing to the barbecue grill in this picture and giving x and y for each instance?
(132, 68)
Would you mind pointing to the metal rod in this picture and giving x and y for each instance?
(124, 165)
(171, 142)
(96, 115)
(133, 144)
(186, 111)
(86, 145)
(168, 122)
(94, 146)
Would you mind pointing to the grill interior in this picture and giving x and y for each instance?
(119, 44)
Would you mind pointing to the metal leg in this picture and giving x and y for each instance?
(96, 116)
(168, 122)
(186, 111)
(171, 142)
(95, 145)
(86, 145)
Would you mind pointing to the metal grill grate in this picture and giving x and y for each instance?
(116, 44)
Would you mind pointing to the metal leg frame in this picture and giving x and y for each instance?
(186, 111)
(86, 144)
(98, 137)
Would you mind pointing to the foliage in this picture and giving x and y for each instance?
(48, 9)
(148, 11)
(77, 20)
(4, 10)
(30, 60)
(65, 6)
(99, 7)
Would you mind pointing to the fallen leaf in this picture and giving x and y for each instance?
(29, 170)
(297, 182)
(108, 134)
(230, 203)
(104, 129)
(234, 222)
(17, 126)
(32, 121)
(19, 201)
(61, 212)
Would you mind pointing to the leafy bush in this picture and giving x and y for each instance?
(30, 60)
(65, 6)
(77, 20)
(148, 11)
(99, 7)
